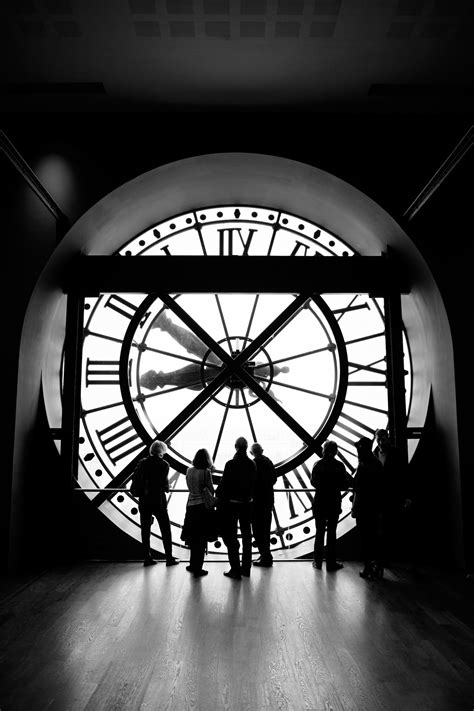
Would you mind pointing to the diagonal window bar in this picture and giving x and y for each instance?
(247, 410)
(277, 409)
(182, 425)
(221, 429)
(345, 310)
(235, 365)
(368, 368)
(197, 330)
(269, 332)
(359, 366)
(192, 409)
(172, 482)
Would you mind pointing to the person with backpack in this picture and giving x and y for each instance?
(150, 485)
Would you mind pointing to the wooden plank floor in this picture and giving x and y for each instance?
(120, 636)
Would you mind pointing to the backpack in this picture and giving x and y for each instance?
(138, 485)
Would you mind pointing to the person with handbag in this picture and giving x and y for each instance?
(199, 525)
(234, 502)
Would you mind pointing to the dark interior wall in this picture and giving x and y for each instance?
(444, 235)
(388, 159)
(29, 237)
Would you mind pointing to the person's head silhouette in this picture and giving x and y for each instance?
(157, 448)
(241, 444)
(382, 438)
(364, 448)
(329, 448)
(202, 459)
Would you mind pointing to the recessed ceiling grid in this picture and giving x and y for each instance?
(235, 19)
(429, 19)
(47, 18)
(291, 20)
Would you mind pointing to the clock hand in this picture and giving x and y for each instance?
(188, 375)
(187, 339)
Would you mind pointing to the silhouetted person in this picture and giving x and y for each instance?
(395, 500)
(150, 484)
(234, 493)
(329, 478)
(263, 499)
(199, 523)
(367, 507)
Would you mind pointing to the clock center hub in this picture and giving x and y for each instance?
(259, 367)
(235, 381)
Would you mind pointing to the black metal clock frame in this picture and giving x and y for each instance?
(308, 278)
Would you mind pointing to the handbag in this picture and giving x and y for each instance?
(209, 498)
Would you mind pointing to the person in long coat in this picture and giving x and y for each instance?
(367, 507)
(329, 478)
(397, 499)
(262, 507)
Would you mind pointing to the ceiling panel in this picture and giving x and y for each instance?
(316, 53)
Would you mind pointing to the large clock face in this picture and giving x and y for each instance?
(199, 370)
